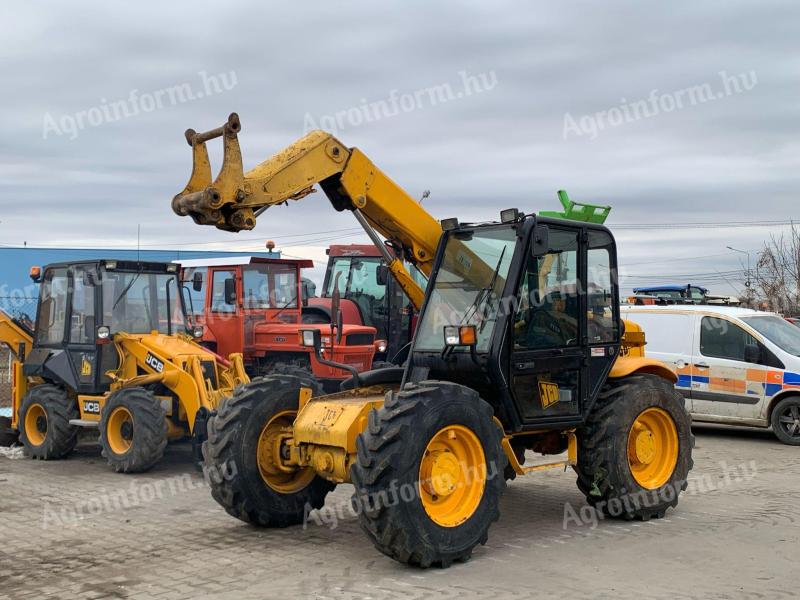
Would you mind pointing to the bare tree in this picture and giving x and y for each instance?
(777, 276)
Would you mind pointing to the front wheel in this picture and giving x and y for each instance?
(786, 420)
(133, 430)
(246, 477)
(429, 474)
(635, 450)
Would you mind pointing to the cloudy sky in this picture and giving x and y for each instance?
(682, 116)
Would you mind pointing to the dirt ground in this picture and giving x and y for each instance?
(75, 529)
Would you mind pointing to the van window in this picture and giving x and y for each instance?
(722, 339)
(664, 332)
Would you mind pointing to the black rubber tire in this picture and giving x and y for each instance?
(149, 430)
(604, 474)
(61, 437)
(230, 456)
(788, 407)
(389, 456)
(294, 369)
(382, 364)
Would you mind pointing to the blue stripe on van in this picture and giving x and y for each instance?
(684, 381)
(792, 378)
(699, 379)
(770, 389)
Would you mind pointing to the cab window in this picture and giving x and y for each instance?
(82, 323)
(53, 307)
(602, 326)
(548, 312)
(218, 300)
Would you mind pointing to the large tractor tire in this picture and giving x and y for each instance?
(294, 369)
(635, 450)
(785, 420)
(429, 474)
(133, 430)
(44, 416)
(238, 455)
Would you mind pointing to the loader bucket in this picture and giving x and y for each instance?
(215, 202)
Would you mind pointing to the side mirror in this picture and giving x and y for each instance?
(752, 354)
(382, 274)
(540, 243)
(230, 291)
(197, 281)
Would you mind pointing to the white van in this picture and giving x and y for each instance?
(734, 365)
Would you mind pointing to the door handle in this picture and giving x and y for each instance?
(701, 365)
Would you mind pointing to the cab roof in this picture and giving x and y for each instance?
(237, 261)
(729, 311)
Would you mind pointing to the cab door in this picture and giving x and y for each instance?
(548, 360)
(224, 314)
(82, 328)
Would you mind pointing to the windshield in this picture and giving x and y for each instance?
(142, 302)
(270, 286)
(468, 286)
(778, 331)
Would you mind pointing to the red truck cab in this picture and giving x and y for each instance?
(255, 306)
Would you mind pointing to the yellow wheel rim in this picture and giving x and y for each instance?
(119, 430)
(452, 476)
(653, 448)
(281, 479)
(36, 424)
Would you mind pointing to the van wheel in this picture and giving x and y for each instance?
(786, 420)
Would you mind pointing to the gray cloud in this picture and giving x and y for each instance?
(733, 159)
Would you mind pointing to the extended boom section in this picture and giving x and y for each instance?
(350, 180)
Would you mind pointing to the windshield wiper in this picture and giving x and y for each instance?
(484, 294)
(127, 289)
(285, 306)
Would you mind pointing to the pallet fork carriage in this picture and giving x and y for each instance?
(110, 350)
(519, 347)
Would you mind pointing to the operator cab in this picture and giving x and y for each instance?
(364, 278)
(525, 312)
(81, 307)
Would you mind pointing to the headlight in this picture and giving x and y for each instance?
(111, 265)
(307, 337)
(197, 331)
(103, 332)
(381, 346)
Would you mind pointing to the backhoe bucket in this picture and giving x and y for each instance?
(215, 203)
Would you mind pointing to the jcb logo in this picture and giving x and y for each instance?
(548, 393)
(91, 407)
(155, 364)
(86, 367)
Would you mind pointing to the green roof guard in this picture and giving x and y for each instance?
(575, 211)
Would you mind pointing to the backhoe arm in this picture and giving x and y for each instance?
(349, 179)
(15, 336)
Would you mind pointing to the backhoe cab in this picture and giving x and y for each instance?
(111, 350)
(519, 348)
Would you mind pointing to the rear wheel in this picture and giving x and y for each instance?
(429, 474)
(786, 420)
(133, 430)
(241, 455)
(44, 417)
(635, 450)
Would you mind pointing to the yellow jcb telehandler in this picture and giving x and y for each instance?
(111, 349)
(519, 347)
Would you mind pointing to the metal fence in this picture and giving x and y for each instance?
(5, 377)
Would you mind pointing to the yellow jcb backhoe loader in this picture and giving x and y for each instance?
(519, 346)
(111, 350)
